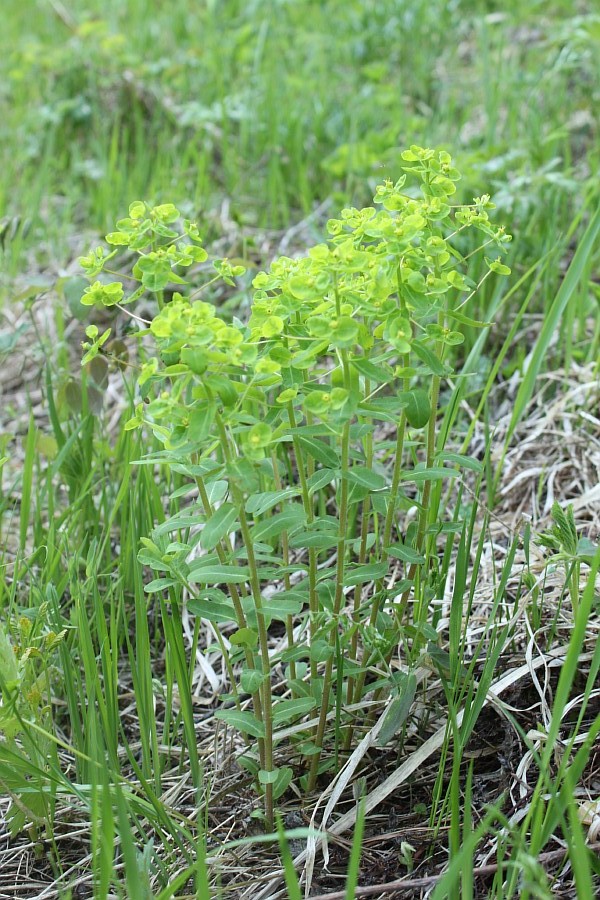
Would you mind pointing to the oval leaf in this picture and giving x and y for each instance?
(242, 721)
(219, 524)
(286, 710)
(215, 574)
(416, 406)
(397, 711)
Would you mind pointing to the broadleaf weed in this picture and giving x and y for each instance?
(282, 424)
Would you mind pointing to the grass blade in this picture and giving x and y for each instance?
(572, 278)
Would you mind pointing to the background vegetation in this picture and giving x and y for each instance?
(260, 120)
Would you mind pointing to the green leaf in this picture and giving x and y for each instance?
(360, 574)
(261, 503)
(200, 422)
(158, 584)
(250, 764)
(215, 490)
(219, 524)
(175, 523)
(286, 710)
(9, 668)
(398, 332)
(320, 451)
(417, 407)
(398, 710)
(498, 267)
(242, 721)
(195, 358)
(458, 281)
(99, 294)
(293, 516)
(430, 359)
(284, 777)
(380, 374)
(586, 549)
(319, 539)
(365, 477)
(259, 436)
(251, 680)
(279, 778)
(302, 287)
(284, 604)
(387, 408)
(321, 479)
(442, 660)
(406, 554)
(166, 212)
(466, 320)
(454, 338)
(267, 777)
(9, 338)
(316, 402)
(155, 272)
(213, 610)
(203, 573)
(118, 238)
(225, 388)
(287, 396)
(137, 209)
(132, 423)
(343, 331)
(299, 651)
(459, 459)
(320, 651)
(244, 637)
(305, 359)
(434, 473)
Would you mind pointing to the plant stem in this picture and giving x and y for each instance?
(385, 543)
(362, 556)
(425, 497)
(263, 638)
(339, 594)
(313, 600)
(239, 612)
(263, 642)
(289, 624)
(574, 586)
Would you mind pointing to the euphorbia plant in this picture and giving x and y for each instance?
(282, 422)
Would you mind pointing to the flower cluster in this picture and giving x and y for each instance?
(375, 305)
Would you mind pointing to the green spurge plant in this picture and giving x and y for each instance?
(309, 432)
